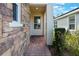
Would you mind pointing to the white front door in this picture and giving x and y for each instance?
(37, 26)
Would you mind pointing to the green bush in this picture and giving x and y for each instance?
(66, 41)
(72, 43)
(58, 42)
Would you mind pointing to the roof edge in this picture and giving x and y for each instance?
(67, 13)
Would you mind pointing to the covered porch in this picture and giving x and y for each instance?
(40, 29)
(37, 46)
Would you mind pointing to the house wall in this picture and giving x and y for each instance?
(63, 23)
(50, 23)
(13, 39)
(77, 21)
(36, 31)
(45, 26)
(26, 22)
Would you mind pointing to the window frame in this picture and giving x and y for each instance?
(37, 23)
(72, 22)
(17, 23)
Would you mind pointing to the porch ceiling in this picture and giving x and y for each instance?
(37, 8)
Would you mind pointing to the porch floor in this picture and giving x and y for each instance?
(37, 47)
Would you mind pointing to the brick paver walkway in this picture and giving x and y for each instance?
(37, 47)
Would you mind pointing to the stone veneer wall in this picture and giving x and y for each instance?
(13, 41)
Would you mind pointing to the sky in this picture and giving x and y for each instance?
(60, 8)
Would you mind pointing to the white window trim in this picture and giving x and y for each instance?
(18, 22)
(74, 23)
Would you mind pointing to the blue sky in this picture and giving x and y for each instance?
(60, 8)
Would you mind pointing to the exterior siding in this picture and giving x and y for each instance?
(63, 23)
(77, 21)
(50, 24)
(13, 40)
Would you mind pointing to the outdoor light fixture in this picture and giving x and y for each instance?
(36, 8)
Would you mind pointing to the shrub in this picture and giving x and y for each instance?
(72, 43)
(58, 42)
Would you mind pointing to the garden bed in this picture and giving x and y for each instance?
(66, 43)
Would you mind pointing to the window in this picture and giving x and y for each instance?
(37, 22)
(16, 22)
(55, 24)
(15, 11)
(72, 22)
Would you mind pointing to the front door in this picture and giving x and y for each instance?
(38, 25)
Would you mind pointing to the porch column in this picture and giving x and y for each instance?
(50, 24)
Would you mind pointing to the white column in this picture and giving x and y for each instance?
(50, 24)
